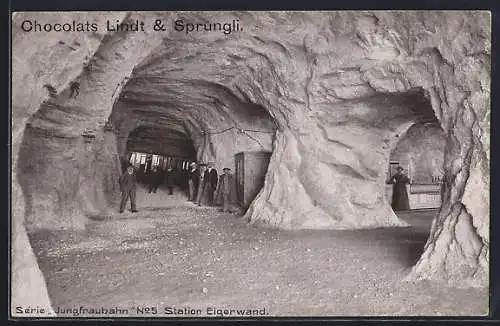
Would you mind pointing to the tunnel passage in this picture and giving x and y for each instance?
(149, 147)
(198, 121)
(163, 148)
(346, 153)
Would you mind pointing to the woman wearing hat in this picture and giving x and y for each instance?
(400, 200)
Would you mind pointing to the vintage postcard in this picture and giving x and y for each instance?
(250, 164)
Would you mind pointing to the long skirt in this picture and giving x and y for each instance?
(400, 201)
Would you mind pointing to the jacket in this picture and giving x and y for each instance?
(211, 178)
(127, 182)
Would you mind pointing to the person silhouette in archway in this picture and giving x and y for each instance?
(400, 199)
(169, 180)
(155, 179)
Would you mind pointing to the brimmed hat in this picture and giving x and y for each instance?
(399, 168)
(226, 169)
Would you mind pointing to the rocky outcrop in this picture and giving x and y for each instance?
(328, 92)
(39, 60)
(444, 56)
(32, 64)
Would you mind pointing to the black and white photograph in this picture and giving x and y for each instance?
(249, 164)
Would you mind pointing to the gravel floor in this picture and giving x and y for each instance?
(174, 259)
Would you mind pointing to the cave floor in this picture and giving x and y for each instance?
(175, 254)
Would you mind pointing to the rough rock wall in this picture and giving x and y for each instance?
(447, 55)
(84, 178)
(355, 142)
(32, 64)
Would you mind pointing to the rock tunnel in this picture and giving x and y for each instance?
(328, 93)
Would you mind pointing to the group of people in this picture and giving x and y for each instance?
(205, 186)
(156, 176)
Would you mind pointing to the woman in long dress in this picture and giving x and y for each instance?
(400, 200)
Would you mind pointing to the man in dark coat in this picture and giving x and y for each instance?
(124, 164)
(210, 186)
(169, 180)
(128, 188)
(225, 189)
(193, 178)
(141, 173)
(149, 162)
(399, 194)
(155, 178)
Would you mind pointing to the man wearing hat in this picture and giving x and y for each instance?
(399, 194)
(169, 180)
(225, 189)
(209, 184)
(128, 188)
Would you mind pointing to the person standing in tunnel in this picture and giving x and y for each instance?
(193, 179)
(211, 179)
(169, 180)
(224, 190)
(128, 188)
(400, 199)
(141, 173)
(155, 178)
(149, 162)
(183, 184)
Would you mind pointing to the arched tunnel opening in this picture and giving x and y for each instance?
(310, 132)
(180, 135)
(419, 156)
(415, 172)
